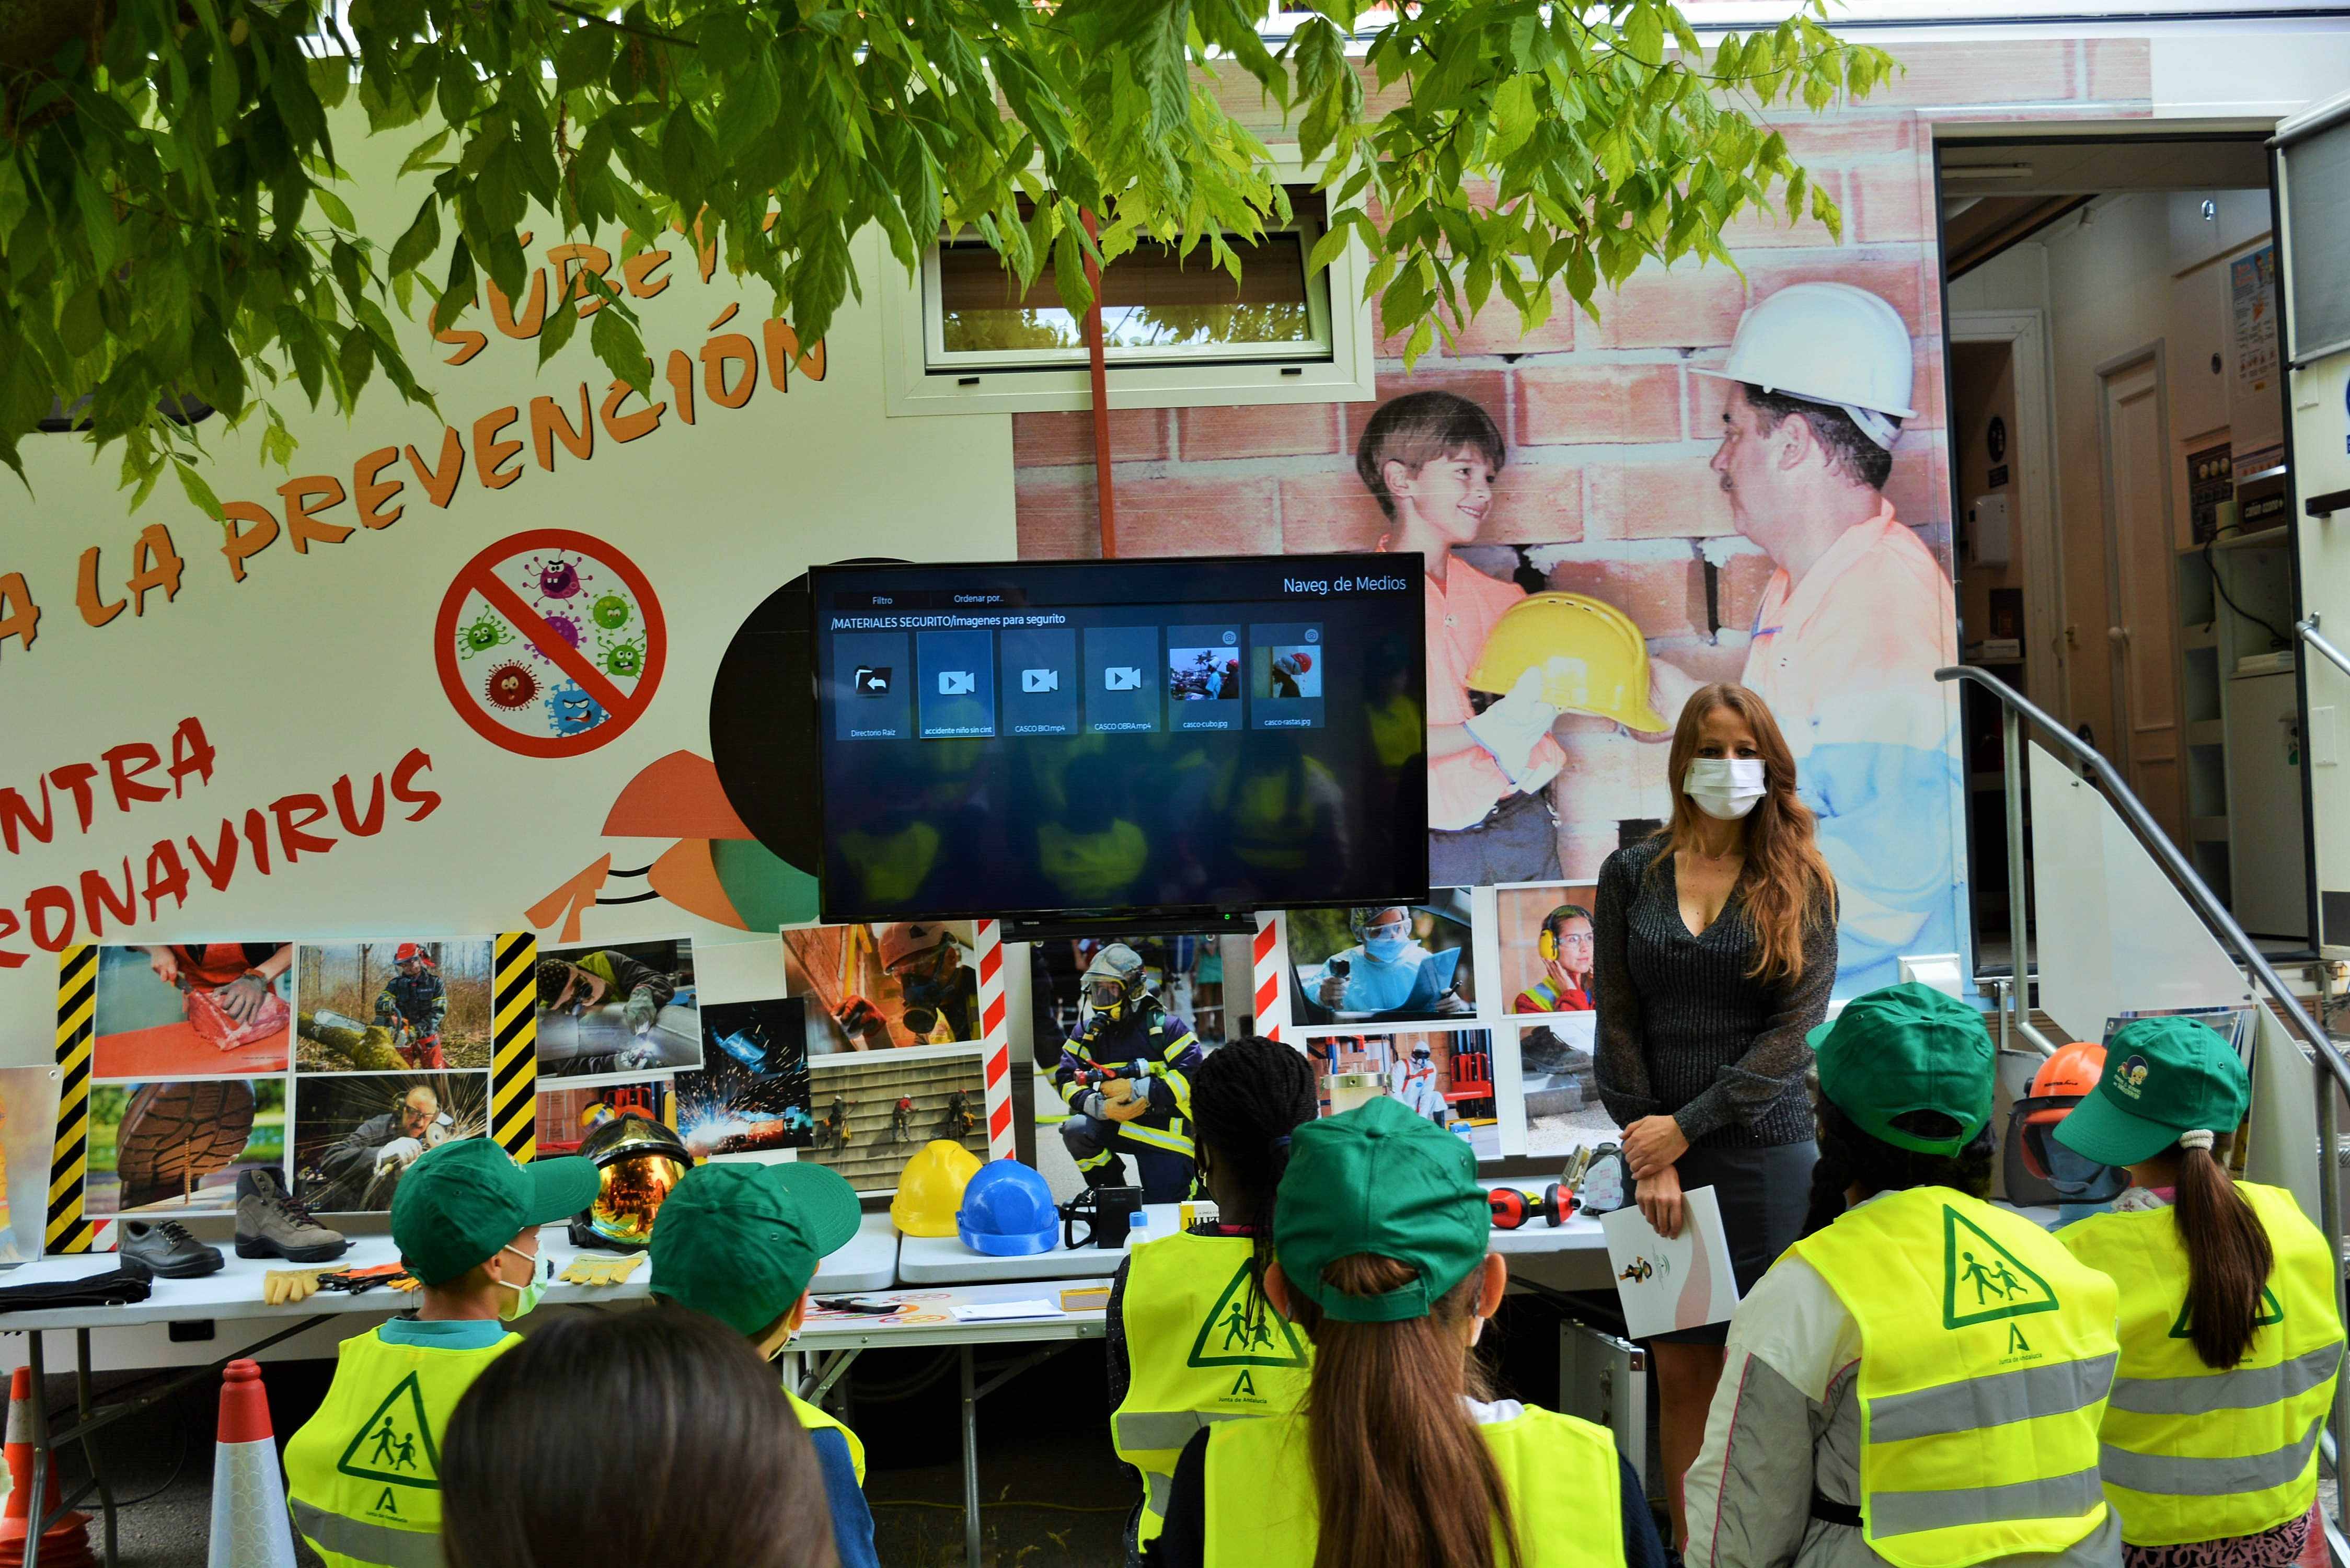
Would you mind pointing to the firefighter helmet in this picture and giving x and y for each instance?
(1115, 980)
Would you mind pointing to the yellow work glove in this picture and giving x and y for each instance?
(283, 1287)
(1118, 1107)
(588, 1271)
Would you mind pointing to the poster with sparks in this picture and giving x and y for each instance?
(751, 1093)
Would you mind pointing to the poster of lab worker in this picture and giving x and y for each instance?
(1396, 963)
(1549, 702)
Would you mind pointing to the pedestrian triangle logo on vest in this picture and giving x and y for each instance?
(1982, 1282)
(1227, 1336)
(2271, 1311)
(395, 1444)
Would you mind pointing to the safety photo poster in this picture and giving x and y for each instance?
(903, 1031)
(320, 1068)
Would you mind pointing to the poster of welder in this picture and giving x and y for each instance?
(872, 1112)
(192, 1010)
(181, 1147)
(391, 1005)
(618, 1012)
(1443, 1075)
(355, 1135)
(751, 1093)
(887, 985)
(1395, 964)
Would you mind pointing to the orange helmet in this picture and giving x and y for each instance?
(2063, 1081)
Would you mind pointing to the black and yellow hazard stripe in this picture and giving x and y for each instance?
(69, 1163)
(513, 1049)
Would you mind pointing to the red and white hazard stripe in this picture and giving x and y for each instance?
(995, 1031)
(1272, 1001)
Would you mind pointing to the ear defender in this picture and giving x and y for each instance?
(1547, 944)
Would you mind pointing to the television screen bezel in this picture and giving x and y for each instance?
(1410, 562)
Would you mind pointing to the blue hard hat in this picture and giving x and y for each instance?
(1007, 1211)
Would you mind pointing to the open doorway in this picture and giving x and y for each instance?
(2118, 412)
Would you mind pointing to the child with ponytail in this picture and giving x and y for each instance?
(1192, 1338)
(1400, 1458)
(2230, 1333)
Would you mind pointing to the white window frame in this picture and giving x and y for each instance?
(1206, 375)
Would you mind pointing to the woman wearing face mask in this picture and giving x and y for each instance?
(1388, 970)
(466, 1220)
(1716, 949)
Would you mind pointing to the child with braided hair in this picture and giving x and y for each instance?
(1192, 1338)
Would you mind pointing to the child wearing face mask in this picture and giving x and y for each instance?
(362, 1474)
(742, 1243)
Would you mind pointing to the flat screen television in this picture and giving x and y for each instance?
(1058, 740)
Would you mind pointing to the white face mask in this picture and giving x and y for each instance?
(1725, 787)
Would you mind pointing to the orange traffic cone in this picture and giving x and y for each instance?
(249, 1523)
(66, 1543)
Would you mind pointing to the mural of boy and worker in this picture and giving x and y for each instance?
(1855, 616)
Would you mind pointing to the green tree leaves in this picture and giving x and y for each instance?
(169, 228)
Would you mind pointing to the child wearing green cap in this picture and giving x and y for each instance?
(2231, 1339)
(741, 1243)
(1920, 1378)
(363, 1474)
(1399, 1455)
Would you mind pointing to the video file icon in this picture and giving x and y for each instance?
(1122, 677)
(958, 682)
(872, 681)
(1040, 681)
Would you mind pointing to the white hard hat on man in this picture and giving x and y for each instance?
(1828, 343)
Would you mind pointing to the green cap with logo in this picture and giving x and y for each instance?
(463, 1201)
(1908, 1048)
(1383, 1180)
(2163, 1076)
(741, 1241)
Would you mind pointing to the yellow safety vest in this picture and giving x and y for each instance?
(2171, 1471)
(817, 1419)
(1195, 1356)
(1985, 1354)
(363, 1475)
(1561, 1474)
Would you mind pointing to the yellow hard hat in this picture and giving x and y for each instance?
(929, 1190)
(1591, 655)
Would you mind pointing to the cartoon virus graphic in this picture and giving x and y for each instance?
(565, 626)
(510, 686)
(611, 612)
(623, 657)
(482, 636)
(555, 577)
(571, 711)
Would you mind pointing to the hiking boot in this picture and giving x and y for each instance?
(167, 1250)
(271, 1222)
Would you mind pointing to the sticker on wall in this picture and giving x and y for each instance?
(550, 643)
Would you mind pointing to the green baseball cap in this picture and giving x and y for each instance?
(1382, 1181)
(741, 1241)
(1908, 1048)
(2163, 1077)
(458, 1204)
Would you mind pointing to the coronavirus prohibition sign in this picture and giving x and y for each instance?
(550, 643)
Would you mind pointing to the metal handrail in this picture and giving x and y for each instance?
(2157, 844)
(2307, 628)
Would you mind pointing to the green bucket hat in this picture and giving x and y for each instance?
(1380, 1179)
(741, 1241)
(1908, 1048)
(2163, 1076)
(461, 1203)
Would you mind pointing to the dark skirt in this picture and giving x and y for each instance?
(1763, 1194)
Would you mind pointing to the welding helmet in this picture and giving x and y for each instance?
(1008, 1211)
(638, 1160)
(931, 1189)
(2048, 1167)
(1115, 980)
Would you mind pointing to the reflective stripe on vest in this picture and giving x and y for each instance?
(1196, 1355)
(1561, 1475)
(817, 1419)
(1986, 1353)
(364, 1473)
(2172, 1474)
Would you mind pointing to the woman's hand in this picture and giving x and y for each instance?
(1660, 1201)
(1653, 1144)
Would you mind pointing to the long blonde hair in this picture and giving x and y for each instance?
(1786, 883)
